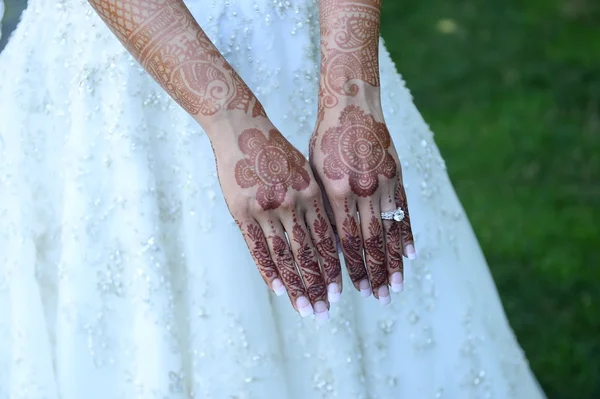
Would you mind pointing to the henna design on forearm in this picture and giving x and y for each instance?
(272, 164)
(308, 264)
(349, 47)
(357, 148)
(166, 40)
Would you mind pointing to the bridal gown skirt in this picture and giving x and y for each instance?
(122, 274)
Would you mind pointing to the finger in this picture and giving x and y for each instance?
(284, 261)
(375, 253)
(325, 244)
(326, 204)
(351, 243)
(330, 215)
(306, 258)
(408, 241)
(393, 244)
(257, 245)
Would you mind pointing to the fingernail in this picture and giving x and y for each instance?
(333, 292)
(410, 252)
(384, 295)
(278, 287)
(321, 311)
(304, 306)
(397, 282)
(365, 288)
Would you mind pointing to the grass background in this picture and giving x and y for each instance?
(512, 90)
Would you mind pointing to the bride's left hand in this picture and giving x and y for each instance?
(354, 159)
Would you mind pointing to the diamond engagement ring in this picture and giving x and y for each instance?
(396, 215)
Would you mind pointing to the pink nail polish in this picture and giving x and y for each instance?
(333, 292)
(410, 252)
(304, 306)
(384, 295)
(397, 282)
(321, 311)
(365, 288)
(278, 287)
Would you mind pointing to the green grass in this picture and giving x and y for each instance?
(512, 91)
(513, 94)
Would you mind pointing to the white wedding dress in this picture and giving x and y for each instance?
(122, 274)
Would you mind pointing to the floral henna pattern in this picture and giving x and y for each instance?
(352, 247)
(326, 248)
(393, 243)
(164, 37)
(309, 266)
(401, 202)
(376, 254)
(358, 148)
(287, 267)
(260, 252)
(272, 165)
(349, 47)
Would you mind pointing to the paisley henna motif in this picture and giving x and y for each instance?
(309, 266)
(326, 248)
(272, 165)
(352, 246)
(286, 266)
(349, 47)
(401, 202)
(376, 254)
(393, 243)
(260, 251)
(358, 148)
(164, 37)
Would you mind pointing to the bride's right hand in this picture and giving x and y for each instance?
(270, 191)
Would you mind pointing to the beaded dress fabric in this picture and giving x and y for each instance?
(123, 275)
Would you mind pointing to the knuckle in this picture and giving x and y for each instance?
(239, 207)
(313, 191)
(339, 191)
(288, 203)
(254, 207)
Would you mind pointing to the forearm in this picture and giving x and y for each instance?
(166, 40)
(349, 51)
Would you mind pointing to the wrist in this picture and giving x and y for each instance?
(224, 129)
(366, 96)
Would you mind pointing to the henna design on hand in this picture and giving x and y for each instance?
(401, 202)
(376, 253)
(358, 148)
(352, 246)
(260, 252)
(164, 37)
(349, 47)
(307, 261)
(326, 247)
(393, 242)
(272, 164)
(286, 266)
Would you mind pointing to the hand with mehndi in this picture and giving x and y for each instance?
(267, 183)
(271, 191)
(352, 153)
